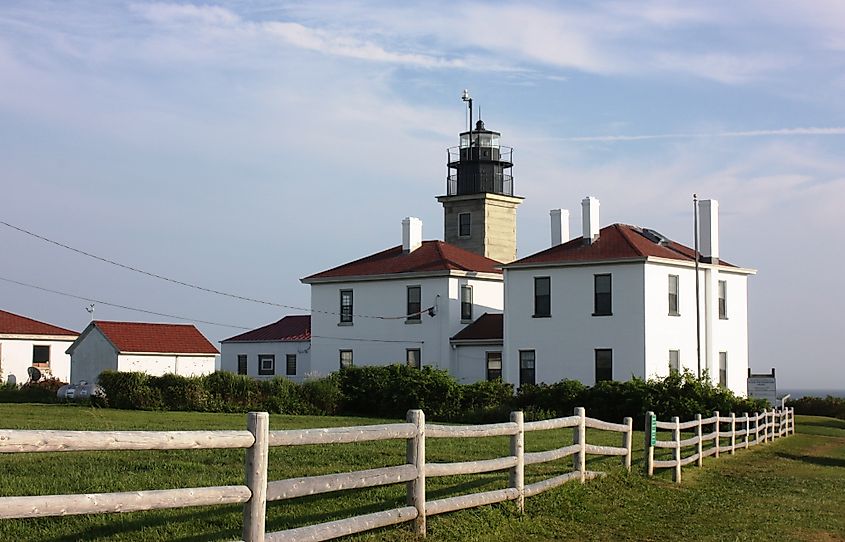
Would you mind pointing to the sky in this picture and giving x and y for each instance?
(242, 146)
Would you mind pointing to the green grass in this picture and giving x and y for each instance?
(786, 490)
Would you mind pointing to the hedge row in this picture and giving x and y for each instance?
(43, 391)
(832, 407)
(389, 391)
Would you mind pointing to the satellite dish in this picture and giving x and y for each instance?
(34, 374)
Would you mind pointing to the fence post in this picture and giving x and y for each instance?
(718, 437)
(517, 474)
(648, 446)
(676, 436)
(765, 426)
(255, 509)
(627, 438)
(579, 436)
(415, 453)
(700, 446)
(792, 420)
(733, 433)
(747, 428)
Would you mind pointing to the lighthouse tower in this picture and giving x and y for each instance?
(479, 208)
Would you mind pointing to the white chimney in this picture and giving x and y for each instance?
(708, 212)
(560, 226)
(411, 234)
(590, 218)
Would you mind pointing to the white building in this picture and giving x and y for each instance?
(261, 352)
(155, 349)
(26, 343)
(400, 305)
(620, 301)
(477, 350)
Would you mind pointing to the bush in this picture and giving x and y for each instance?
(43, 391)
(323, 396)
(832, 407)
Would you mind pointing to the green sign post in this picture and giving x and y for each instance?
(653, 429)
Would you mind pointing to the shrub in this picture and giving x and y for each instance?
(43, 391)
(832, 407)
(322, 396)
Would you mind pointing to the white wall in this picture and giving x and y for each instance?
(470, 362)
(565, 343)
(382, 342)
(158, 365)
(664, 332)
(231, 350)
(732, 334)
(16, 357)
(91, 356)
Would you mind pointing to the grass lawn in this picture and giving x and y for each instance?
(787, 490)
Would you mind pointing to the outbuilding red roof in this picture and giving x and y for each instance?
(615, 242)
(290, 328)
(489, 326)
(156, 338)
(14, 324)
(431, 256)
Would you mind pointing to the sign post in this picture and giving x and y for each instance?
(650, 432)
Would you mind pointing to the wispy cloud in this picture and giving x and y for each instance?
(833, 131)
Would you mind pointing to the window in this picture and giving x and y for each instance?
(241, 364)
(290, 364)
(346, 306)
(723, 300)
(413, 357)
(464, 224)
(673, 295)
(542, 297)
(723, 369)
(414, 304)
(527, 371)
(604, 364)
(674, 361)
(466, 302)
(266, 364)
(40, 355)
(345, 359)
(603, 300)
(494, 365)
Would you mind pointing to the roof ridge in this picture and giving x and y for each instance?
(624, 230)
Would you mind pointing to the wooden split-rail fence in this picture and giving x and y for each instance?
(257, 490)
(727, 434)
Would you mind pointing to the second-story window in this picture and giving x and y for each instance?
(542, 297)
(603, 305)
(346, 306)
(673, 296)
(464, 224)
(414, 304)
(466, 302)
(723, 300)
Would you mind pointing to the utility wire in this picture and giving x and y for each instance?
(194, 286)
(101, 302)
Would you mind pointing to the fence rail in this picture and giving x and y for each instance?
(257, 490)
(738, 432)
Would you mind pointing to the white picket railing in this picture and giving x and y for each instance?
(257, 490)
(763, 427)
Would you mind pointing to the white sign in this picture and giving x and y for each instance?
(763, 387)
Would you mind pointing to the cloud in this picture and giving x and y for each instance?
(832, 131)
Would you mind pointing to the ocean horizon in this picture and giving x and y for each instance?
(797, 393)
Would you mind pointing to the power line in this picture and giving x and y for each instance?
(195, 286)
(101, 302)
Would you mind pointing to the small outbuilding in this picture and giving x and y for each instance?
(26, 343)
(260, 352)
(152, 348)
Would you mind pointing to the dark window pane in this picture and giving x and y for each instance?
(290, 365)
(464, 225)
(673, 294)
(603, 302)
(346, 305)
(542, 296)
(414, 306)
(527, 367)
(494, 365)
(241, 364)
(604, 364)
(40, 354)
(266, 364)
(723, 369)
(466, 302)
(723, 300)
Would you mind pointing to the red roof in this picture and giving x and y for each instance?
(431, 256)
(156, 338)
(615, 242)
(289, 328)
(487, 327)
(14, 324)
